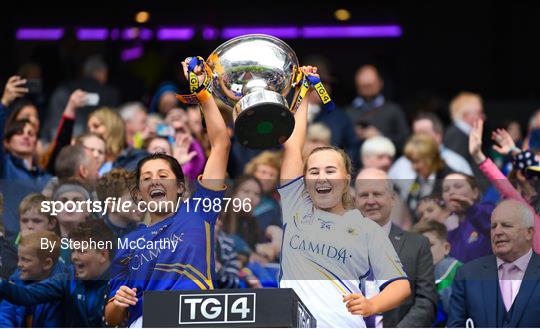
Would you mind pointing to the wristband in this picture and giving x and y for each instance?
(203, 95)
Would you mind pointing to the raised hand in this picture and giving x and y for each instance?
(475, 142)
(14, 89)
(464, 201)
(199, 72)
(357, 304)
(77, 99)
(504, 140)
(310, 70)
(181, 149)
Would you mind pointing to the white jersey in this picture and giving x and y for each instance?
(327, 256)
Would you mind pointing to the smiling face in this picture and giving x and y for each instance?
(373, 196)
(510, 237)
(29, 264)
(327, 180)
(158, 184)
(90, 263)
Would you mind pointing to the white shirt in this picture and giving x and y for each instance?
(326, 256)
(463, 126)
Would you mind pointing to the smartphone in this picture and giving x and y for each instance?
(92, 99)
(164, 130)
(34, 86)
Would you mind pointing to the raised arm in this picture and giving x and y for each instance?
(213, 176)
(291, 165)
(37, 293)
(64, 132)
(14, 88)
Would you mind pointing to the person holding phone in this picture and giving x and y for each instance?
(20, 173)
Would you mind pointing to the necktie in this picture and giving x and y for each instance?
(507, 292)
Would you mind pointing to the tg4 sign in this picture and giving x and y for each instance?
(217, 308)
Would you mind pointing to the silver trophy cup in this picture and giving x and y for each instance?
(252, 75)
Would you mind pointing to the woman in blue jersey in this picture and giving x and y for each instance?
(188, 264)
(328, 248)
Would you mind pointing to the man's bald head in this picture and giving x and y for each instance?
(374, 195)
(368, 81)
(511, 230)
(374, 174)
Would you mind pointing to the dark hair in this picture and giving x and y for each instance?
(432, 226)
(69, 160)
(95, 230)
(435, 121)
(16, 108)
(173, 164)
(16, 128)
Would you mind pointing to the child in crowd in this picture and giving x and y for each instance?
(470, 239)
(81, 290)
(31, 217)
(114, 185)
(445, 266)
(70, 190)
(35, 264)
(433, 208)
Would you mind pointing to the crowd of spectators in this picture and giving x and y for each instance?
(451, 212)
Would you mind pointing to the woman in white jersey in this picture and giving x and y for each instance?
(328, 248)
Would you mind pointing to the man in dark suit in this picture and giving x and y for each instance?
(501, 290)
(374, 198)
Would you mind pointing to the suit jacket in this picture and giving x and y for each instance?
(418, 310)
(475, 294)
(457, 141)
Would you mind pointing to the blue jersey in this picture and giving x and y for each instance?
(188, 266)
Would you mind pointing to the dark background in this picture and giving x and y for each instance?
(485, 47)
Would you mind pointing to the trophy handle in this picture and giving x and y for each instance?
(301, 87)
